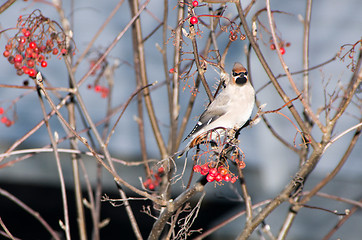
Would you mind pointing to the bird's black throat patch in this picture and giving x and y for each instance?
(241, 80)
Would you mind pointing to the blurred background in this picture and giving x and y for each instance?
(269, 164)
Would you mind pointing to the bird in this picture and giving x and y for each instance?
(231, 109)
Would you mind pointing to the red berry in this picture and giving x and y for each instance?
(21, 48)
(31, 63)
(42, 48)
(97, 88)
(34, 55)
(18, 65)
(18, 58)
(233, 180)
(282, 50)
(223, 171)
(157, 178)
(197, 168)
(272, 46)
(104, 95)
(227, 178)
(241, 164)
(1, 110)
(195, 3)
(64, 51)
(8, 47)
(41, 58)
(205, 168)
(210, 178)
(218, 177)
(22, 40)
(25, 69)
(194, 20)
(32, 45)
(32, 72)
(27, 33)
(55, 51)
(147, 182)
(213, 172)
(28, 52)
(4, 119)
(105, 90)
(151, 186)
(6, 53)
(11, 59)
(161, 170)
(8, 123)
(44, 64)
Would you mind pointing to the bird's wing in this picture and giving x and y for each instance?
(215, 110)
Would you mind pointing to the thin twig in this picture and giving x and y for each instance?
(33, 151)
(35, 214)
(271, 76)
(341, 135)
(85, 142)
(200, 70)
(104, 148)
(231, 219)
(333, 173)
(9, 235)
(299, 72)
(341, 222)
(307, 107)
(96, 35)
(307, 19)
(353, 85)
(246, 196)
(172, 206)
(138, 90)
(6, 5)
(57, 159)
(140, 69)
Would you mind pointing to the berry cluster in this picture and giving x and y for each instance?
(194, 19)
(281, 47)
(234, 29)
(152, 182)
(104, 91)
(215, 174)
(350, 52)
(4, 119)
(233, 36)
(36, 40)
